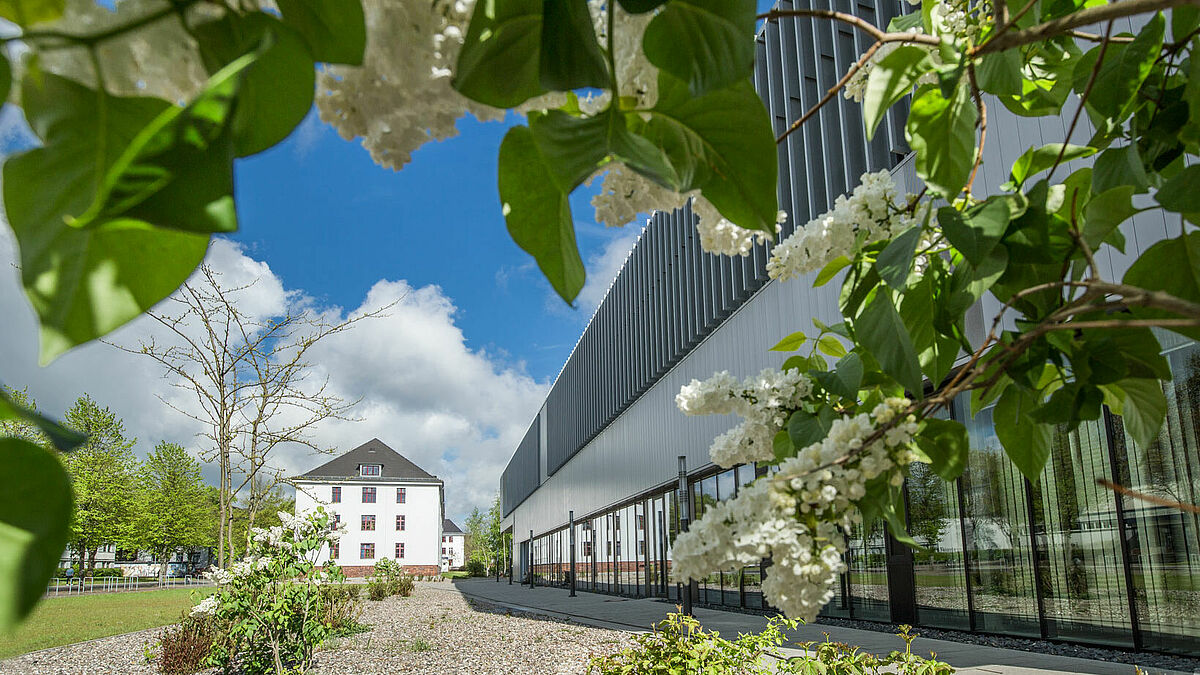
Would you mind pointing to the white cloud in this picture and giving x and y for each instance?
(602, 269)
(456, 412)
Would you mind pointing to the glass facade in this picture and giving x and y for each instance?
(1062, 558)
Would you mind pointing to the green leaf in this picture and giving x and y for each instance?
(709, 44)
(334, 30)
(1116, 167)
(35, 518)
(805, 428)
(1104, 214)
(880, 330)
(61, 437)
(1037, 159)
(721, 144)
(895, 260)
(1126, 65)
(1172, 266)
(791, 343)
(946, 443)
(1181, 193)
(84, 283)
(5, 78)
(830, 270)
(499, 61)
(276, 93)
(537, 212)
(904, 22)
(1184, 19)
(781, 445)
(640, 6)
(178, 172)
(1026, 442)
(892, 78)
(999, 73)
(25, 13)
(1144, 410)
(570, 55)
(941, 133)
(977, 231)
(831, 346)
(849, 372)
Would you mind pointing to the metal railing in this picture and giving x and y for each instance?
(76, 586)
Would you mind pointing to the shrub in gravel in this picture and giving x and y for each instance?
(342, 607)
(184, 647)
(270, 612)
(389, 579)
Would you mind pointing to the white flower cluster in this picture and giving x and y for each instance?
(294, 538)
(765, 401)
(797, 516)
(624, 194)
(206, 606)
(869, 214)
(636, 76)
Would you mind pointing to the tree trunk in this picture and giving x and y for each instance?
(162, 569)
(91, 559)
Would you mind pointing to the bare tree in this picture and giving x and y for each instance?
(249, 379)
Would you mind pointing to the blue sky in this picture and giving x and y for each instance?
(329, 220)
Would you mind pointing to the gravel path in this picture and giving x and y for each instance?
(440, 631)
(436, 630)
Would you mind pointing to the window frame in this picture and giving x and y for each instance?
(366, 550)
(364, 521)
(367, 490)
(335, 494)
(365, 470)
(401, 495)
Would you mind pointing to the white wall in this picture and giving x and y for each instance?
(422, 527)
(455, 547)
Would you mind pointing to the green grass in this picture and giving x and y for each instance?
(456, 575)
(63, 621)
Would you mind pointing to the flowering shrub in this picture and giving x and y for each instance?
(679, 644)
(269, 609)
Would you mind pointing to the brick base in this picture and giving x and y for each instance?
(368, 570)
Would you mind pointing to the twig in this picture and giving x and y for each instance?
(862, 61)
(1084, 17)
(861, 24)
(1087, 91)
(979, 105)
(1143, 497)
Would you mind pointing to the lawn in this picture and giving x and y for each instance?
(456, 575)
(64, 621)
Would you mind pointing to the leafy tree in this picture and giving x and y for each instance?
(484, 542)
(172, 510)
(103, 474)
(21, 427)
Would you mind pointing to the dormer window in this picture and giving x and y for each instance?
(369, 469)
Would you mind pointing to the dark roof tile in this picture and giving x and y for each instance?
(394, 466)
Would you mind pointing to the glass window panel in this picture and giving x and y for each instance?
(999, 553)
(866, 562)
(941, 580)
(726, 483)
(1081, 572)
(1164, 542)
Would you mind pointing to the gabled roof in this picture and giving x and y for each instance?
(394, 466)
(448, 527)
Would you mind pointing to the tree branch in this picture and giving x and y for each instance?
(1063, 25)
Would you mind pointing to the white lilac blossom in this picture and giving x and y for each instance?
(797, 516)
(765, 401)
(624, 194)
(871, 213)
(206, 606)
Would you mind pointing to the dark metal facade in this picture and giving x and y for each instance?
(520, 477)
(670, 293)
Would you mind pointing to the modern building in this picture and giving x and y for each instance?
(391, 507)
(1060, 558)
(454, 546)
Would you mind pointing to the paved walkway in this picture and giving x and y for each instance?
(639, 614)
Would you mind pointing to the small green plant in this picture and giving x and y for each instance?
(908, 663)
(419, 645)
(679, 644)
(389, 579)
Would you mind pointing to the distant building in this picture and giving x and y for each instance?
(186, 561)
(391, 507)
(454, 546)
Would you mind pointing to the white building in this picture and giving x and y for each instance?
(391, 507)
(454, 546)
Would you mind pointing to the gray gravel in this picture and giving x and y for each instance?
(436, 630)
